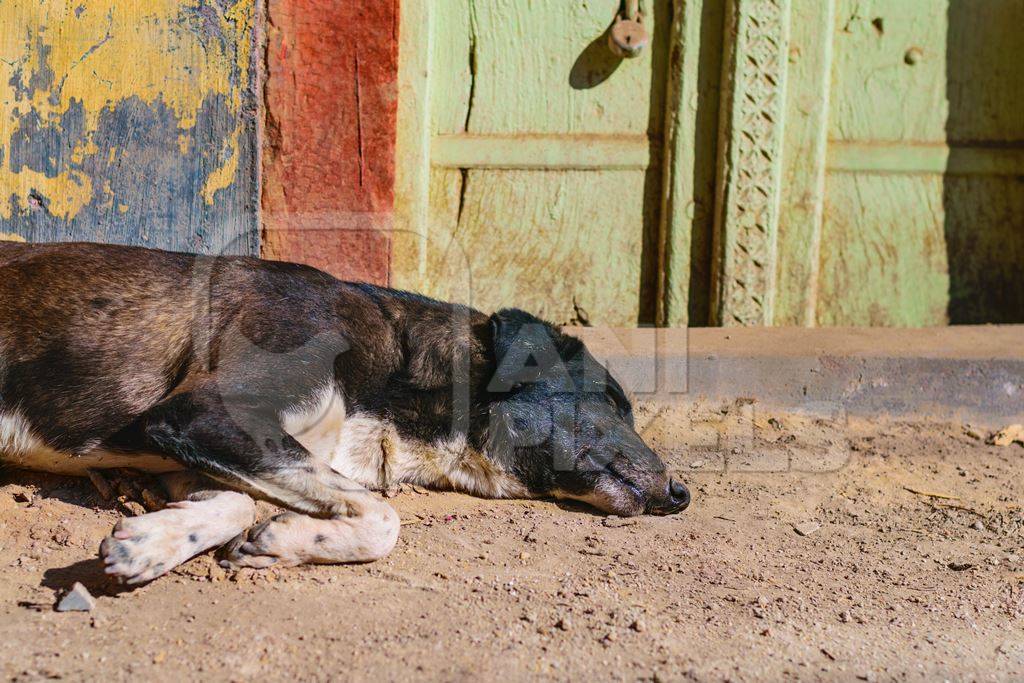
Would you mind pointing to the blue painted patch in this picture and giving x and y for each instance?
(147, 173)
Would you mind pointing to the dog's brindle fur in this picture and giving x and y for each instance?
(278, 380)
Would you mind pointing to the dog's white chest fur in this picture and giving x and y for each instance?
(370, 451)
(16, 435)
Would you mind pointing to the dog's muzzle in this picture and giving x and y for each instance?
(677, 500)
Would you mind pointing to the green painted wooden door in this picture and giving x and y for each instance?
(925, 186)
(903, 201)
(894, 133)
(530, 158)
(765, 162)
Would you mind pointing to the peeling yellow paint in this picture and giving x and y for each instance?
(102, 52)
(223, 176)
(65, 193)
(81, 150)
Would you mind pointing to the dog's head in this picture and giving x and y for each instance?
(560, 423)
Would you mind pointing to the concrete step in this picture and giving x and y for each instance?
(969, 373)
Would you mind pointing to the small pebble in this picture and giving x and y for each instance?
(136, 509)
(77, 599)
(806, 528)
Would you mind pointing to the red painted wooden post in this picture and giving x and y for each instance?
(328, 167)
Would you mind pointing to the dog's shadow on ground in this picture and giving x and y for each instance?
(74, 491)
(577, 507)
(89, 573)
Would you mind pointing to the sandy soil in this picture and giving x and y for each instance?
(893, 585)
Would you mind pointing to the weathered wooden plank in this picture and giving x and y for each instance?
(448, 31)
(984, 72)
(508, 67)
(984, 232)
(924, 221)
(928, 70)
(940, 158)
(876, 94)
(131, 122)
(410, 237)
(884, 261)
(803, 173)
(556, 253)
(750, 161)
(506, 87)
(553, 152)
(984, 220)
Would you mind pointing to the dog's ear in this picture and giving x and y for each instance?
(526, 349)
(618, 395)
(506, 325)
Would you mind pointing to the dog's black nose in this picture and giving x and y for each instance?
(680, 495)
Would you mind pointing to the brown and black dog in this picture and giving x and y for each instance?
(234, 376)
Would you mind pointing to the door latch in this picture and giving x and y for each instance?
(628, 37)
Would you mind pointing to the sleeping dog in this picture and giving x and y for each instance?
(233, 377)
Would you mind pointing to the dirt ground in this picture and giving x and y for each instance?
(894, 584)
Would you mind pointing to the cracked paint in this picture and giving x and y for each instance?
(121, 112)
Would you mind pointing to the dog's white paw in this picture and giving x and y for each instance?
(143, 548)
(279, 541)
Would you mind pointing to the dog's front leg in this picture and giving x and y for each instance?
(200, 517)
(247, 448)
(352, 525)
